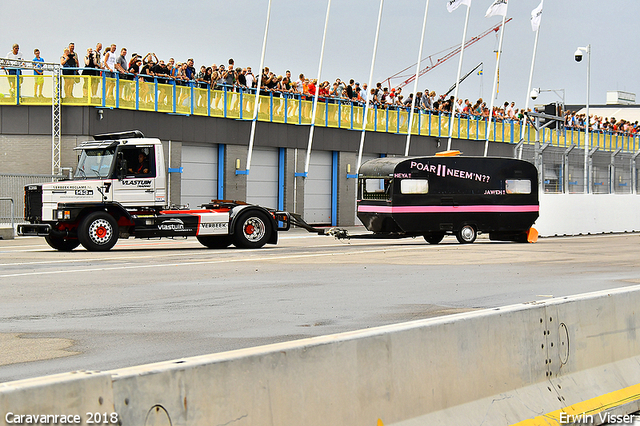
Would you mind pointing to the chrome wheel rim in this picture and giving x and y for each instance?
(100, 231)
(254, 229)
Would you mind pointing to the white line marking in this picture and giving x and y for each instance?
(210, 262)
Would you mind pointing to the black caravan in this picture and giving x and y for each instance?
(434, 196)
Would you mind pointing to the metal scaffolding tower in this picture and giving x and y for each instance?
(56, 110)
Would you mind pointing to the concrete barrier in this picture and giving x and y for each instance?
(522, 363)
(575, 214)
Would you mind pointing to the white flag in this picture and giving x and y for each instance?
(454, 4)
(536, 17)
(499, 7)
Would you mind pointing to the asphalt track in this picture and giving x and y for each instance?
(147, 301)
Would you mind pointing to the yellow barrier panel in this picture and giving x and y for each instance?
(404, 121)
(8, 90)
(306, 111)
(233, 104)
(332, 115)
(483, 126)
(371, 119)
(278, 109)
(109, 92)
(293, 111)
(264, 108)
(444, 126)
(415, 126)
(346, 115)
(464, 128)
(183, 95)
(200, 101)
(30, 84)
(165, 97)
(146, 96)
(382, 120)
(393, 120)
(127, 94)
(321, 117)
(357, 117)
(217, 104)
(72, 90)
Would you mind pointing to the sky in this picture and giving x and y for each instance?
(213, 31)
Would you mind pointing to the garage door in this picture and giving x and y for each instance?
(262, 181)
(317, 188)
(199, 174)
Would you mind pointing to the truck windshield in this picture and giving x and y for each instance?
(95, 163)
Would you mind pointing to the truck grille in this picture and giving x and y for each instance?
(33, 203)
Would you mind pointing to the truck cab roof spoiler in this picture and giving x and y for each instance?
(131, 134)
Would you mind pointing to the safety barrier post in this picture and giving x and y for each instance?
(351, 128)
(224, 98)
(137, 93)
(155, 94)
(192, 91)
(209, 102)
(375, 118)
(117, 94)
(104, 89)
(271, 107)
(175, 92)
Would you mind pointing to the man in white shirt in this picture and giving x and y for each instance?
(14, 54)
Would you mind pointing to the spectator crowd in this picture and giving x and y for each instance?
(149, 68)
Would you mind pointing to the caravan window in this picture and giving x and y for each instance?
(376, 189)
(518, 186)
(414, 186)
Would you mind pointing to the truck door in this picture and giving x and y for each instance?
(138, 186)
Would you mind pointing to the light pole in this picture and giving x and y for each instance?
(578, 57)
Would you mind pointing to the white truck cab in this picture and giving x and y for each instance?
(119, 190)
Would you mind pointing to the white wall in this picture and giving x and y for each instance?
(575, 214)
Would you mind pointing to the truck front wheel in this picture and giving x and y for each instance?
(61, 243)
(98, 231)
(252, 230)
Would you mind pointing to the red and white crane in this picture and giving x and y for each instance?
(452, 52)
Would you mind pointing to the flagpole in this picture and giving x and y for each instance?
(495, 83)
(257, 100)
(533, 62)
(315, 99)
(415, 83)
(455, 93)
(367, 95)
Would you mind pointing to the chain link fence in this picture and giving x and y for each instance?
(562, 169)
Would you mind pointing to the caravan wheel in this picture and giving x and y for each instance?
(467, 234)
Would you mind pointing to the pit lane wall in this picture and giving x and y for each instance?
(576, 214)
(520, 364)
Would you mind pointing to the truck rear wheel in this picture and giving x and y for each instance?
(215, 241)
(98, 231)
(61, 243)
(467, 234)
(252, 230)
